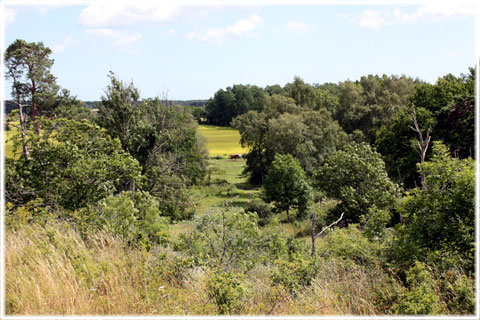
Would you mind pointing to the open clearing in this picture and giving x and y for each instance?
(221, 141)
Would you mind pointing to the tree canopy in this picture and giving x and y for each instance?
(286, 185)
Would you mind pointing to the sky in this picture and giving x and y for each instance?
(185, 50)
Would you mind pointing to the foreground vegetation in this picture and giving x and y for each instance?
(352, 198)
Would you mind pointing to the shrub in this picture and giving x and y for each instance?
(294, 274)
(421, 297)
(458, 292)
(262, 209)
(439, 221)
(136, 218)
(227, 291)
(351, 245)
(226, 237)
(374, 222)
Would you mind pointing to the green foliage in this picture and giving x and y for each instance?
(286, 185)
(301, 92)
(226, 237)
(458, 292)
(398, 142)
(28, 66)
(69, 107)
(440, 218)
(234, 101)
(451, 100)
(227, 290)
(421, 296)
(71, 164)
(350, 245)
(295, 273)
(262, 209)
(356, 176)
(374, 223)
(285, 128)
(34, 211)
(372, 102)
(135, 218)
(162, 138)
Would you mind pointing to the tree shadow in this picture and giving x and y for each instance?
(245, 186)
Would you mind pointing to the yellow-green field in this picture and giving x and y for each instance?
(8, 143)
(221, 141)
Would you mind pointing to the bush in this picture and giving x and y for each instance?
(262, 209)
(351, 245)
(374, 223)
(226, 237)
(135, 218)
(421, 297)
(458, 292)
(227, 291)
(356, 176)
(295, 273)
(439, 222)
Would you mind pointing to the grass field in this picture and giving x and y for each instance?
(221, 141)
(8, 143)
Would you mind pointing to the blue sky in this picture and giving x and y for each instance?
(189, 51)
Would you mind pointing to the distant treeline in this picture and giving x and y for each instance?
(11, 105)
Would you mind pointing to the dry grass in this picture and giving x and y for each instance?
(52, 271)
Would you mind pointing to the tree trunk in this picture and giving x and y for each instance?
(314, 217)
(288, 215)
(34, 107)
(422, 145)
(23, 130)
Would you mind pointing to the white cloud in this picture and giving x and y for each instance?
(9, 15)
(127, 39)
(294, 26)
(68, 42)
(102, 14)
(241, 28)
(430, 10)
(120, 39)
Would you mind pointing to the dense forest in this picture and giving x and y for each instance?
(355, 197)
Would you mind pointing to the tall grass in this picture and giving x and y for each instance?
(51, 270)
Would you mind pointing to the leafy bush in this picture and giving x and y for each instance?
(227, 291)
(71, 164)
(262, 209)
(226, 237)
(374, 222)
(351, 245)
(135, 218)
(458, 292)
(34, 211)
(439, 222)
(295, 273)
(421, 297)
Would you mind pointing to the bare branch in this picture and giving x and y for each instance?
(329, 226)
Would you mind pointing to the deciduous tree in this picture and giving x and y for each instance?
(286, 185)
